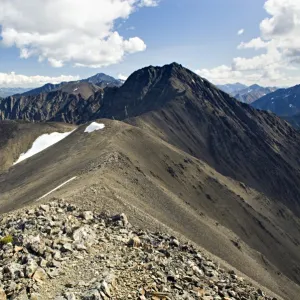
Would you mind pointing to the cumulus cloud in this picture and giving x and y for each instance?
(149, 2)
(241, 31)
(17, 80)
(279, 48)
(69, 31)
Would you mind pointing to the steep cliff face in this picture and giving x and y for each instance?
(70, 104)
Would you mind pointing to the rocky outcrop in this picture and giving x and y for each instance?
(57, 251)
(53, 106)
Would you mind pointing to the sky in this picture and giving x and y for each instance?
(225, 41)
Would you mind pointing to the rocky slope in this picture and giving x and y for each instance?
(283, 102)
(252, 93)
(72, 103)
(125, 169)
(190, 113)
(58, 251)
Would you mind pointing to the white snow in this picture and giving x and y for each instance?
(94, 126)
(57, 188)
(42, 142)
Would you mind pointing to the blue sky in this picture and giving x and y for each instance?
(200, 34)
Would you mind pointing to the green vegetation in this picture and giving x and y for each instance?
(6, 240)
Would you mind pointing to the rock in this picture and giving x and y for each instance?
(21, 296)
(175, 243)
(105, 288)
(84, 235)
(134, 242)
(70, 296)
(14, 271)
(35, 296)
(30, 268)
(40, 275)
(121, 219)
(67, 247)
(49, 242)
(45, 208)
(91, 295)
(87, 215)
(2, 294)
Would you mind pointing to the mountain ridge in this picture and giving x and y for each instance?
(173, 142)
(283, 102)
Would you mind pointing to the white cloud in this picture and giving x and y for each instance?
(149, 3)
(279, 48)
(256, 44)
(17, 80)
(122, 77)
(69, 31)
(241, 31)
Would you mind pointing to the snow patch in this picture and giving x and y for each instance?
(43, 142)
(57, 188)
(94, 127)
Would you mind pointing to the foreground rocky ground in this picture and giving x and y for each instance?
(57, 251)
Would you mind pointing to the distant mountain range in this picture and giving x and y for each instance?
(5, 92)
(246, 94)
(232, 88)
(101, 80)
(253, 92)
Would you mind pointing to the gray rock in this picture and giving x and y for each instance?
(92, 295)
(87, 215)
(84, 235)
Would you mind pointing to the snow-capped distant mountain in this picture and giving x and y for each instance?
(232, 88)
(103, 80)
(5, 92)
(283, 102)
(253, 92)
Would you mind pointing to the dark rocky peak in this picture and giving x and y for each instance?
(102, 80)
